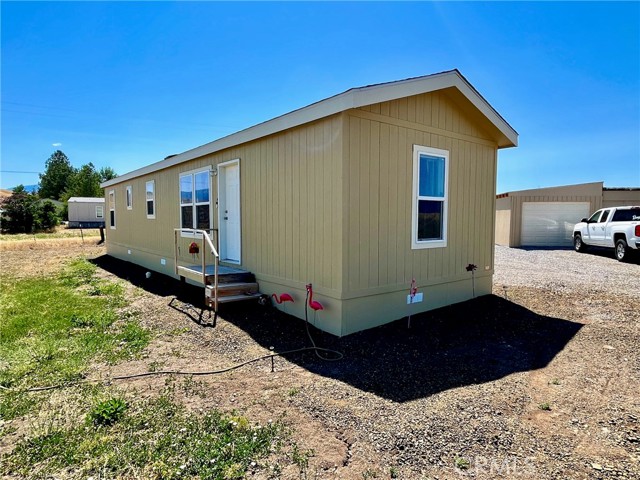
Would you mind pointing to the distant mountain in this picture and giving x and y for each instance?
(28, 188)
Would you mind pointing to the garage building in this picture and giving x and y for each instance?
(544, 217)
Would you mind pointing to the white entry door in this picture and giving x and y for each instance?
(229, 211)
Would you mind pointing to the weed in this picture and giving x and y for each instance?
(176, 332)
(462, 463)
(177, 353)
(301, 458)
(156, 366)
(193, 388)
(368, 473)
(555, 381)
(544, 406)
(293, 392)
(107, 412)
(393, 473)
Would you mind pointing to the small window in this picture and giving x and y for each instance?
(429, 205)
(195, 203)
(112, 209)
(151, 199)
(129, 198)
(99, 211)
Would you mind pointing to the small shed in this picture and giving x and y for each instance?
(86, 212)
(364, 194)
(545, 217)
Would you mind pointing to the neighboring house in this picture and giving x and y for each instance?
(358, 194)
(86, 212)
(544, 217)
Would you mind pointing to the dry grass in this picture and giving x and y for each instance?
(59, 232)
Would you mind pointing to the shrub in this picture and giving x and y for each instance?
(108, 412)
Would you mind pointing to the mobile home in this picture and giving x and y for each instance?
(86, 212)
(358, 194)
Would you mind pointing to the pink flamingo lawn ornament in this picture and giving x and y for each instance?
(284, 297)
(413, 289)
(315, 306)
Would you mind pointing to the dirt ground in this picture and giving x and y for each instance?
(538, 381)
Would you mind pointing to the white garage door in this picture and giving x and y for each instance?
(550, 224)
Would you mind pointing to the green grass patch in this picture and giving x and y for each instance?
(53, 327)
(152, 438)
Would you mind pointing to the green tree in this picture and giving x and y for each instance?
(57, 173)
(19, 211)
(107, 173)
(46, 215)
(85, 182)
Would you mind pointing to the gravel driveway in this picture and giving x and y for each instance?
(587, 273)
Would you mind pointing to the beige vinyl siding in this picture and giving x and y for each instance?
(378, 172)
(619, 198)
(291, 194)
(86, 211)
(503, 221)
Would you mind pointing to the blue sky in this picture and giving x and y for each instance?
(126, 84)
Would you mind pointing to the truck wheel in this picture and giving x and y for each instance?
(577, 243)
(622, 250)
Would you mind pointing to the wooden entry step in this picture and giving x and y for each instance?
(225, 274)
(232, 292)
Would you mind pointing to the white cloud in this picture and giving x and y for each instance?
(58, 144)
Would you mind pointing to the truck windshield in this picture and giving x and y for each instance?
(626, 215)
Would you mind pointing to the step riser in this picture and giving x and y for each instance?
(232, 278)
(233, 289)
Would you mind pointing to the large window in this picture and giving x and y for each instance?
(195, 204)
(429, 206)
(112, 209)
(151, 198)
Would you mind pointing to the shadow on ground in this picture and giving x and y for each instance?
(474, 342)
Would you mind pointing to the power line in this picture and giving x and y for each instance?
(15, 171)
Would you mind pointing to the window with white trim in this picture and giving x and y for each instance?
(150, 190)
(129, 193)
(99, 211)
(430, 190)
(112, 209)
(195, 200)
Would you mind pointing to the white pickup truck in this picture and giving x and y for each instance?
(616, 227)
